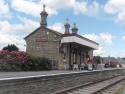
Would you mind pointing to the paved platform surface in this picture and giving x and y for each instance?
(4, 75)
(33, 73)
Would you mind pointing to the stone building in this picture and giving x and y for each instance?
(66, 51)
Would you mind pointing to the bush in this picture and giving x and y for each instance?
(11, 60)
(36, 64)
(20, 61)
(12, 56)
(13, 66)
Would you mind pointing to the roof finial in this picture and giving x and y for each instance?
(44, 7)
(75, 25)
(67, 26)
(74, 29)
(67, 20)
(43, 17)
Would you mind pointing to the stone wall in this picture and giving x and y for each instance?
(53, 84)
(43, 43)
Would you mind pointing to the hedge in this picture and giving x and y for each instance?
(20, 61)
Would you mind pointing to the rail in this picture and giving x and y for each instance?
(95, 87)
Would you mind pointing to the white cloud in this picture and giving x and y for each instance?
(14, 33)
(57, 27)
(100, 52)
(123, 38)
(93, 37)
(76, 6)
(34, 8)
(116, 8)
(11, 39)
(28, 24)
(106, 37)
(104, 40)
(93, 8)
(4, 9)
(6, 27)
(79, 7)
(29, 7)
(121, 18)
(102, 37)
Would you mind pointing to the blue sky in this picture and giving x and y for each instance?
(100, 20)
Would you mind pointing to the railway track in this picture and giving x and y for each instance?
(99, 87)
(114, 88)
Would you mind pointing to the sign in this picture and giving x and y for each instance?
(41, 39)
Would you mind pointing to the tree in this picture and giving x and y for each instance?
(97, 59)
(11, 47)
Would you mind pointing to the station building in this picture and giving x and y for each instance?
(66, 51)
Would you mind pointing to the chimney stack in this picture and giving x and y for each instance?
(67, 26)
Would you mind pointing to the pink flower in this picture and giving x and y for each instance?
(6, 56)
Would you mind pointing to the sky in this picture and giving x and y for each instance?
(102, 21)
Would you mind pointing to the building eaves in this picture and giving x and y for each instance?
(77, 35)
(58, 33)
(32, 32)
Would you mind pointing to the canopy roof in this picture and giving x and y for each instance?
(75, 38)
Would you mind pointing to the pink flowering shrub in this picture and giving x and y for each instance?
(13, 56)
(20, 61)
(11, 60)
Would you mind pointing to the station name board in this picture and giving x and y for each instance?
(41, 39)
